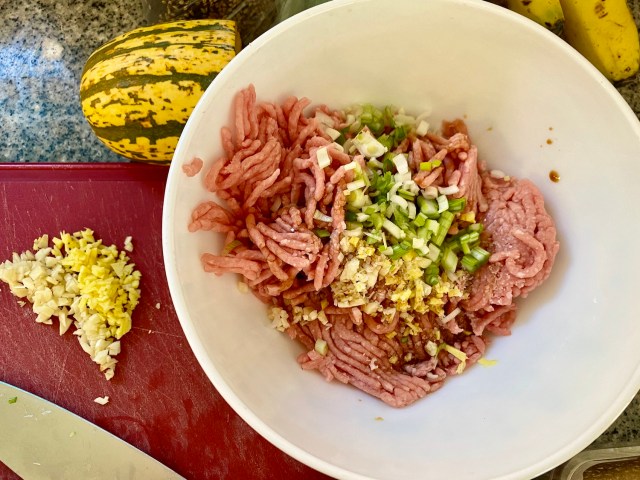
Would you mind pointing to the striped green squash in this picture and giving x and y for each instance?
(138, 90)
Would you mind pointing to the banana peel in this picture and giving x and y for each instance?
(547, 13)
(605, 33)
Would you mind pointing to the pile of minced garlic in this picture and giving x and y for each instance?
(81, 281)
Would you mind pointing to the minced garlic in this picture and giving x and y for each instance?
(79, 280)
(367, 272)
(279, 318)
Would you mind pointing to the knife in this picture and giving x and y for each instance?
(40, 440)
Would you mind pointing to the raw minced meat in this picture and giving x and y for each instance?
(386, 248)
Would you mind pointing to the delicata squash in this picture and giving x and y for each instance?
(138, 90)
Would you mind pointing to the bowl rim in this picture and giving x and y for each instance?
(605, 419)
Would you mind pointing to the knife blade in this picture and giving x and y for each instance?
(41, 440)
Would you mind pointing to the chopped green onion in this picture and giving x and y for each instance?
(473, 261)
(367, 145)
(439, 237)
(470, 238)
(418, 243)
(464, 244)
(469, 263)
(400, 133)
(388, 114)
(412, 210)
(434, 253)
(422, 128)
(426, 166)
(366, 117)
(337, 146)
(371, 240)
(384, 200)
(480, 254)
(231, 246)
(333, 133)
(351, 165)
(443, 203)
(318, 215)
(400, 250)
(390, 210)
(388, 251)
(430, 165)
(401, 178)
(420, 219)
(401, 218)
(387, 164)
(358, 198)
(430, 192)
(424, 233)
(450, 190)
(400, 161)
(372, 118)
(446, 219)
(449, 260)
(431, 275)
(324, 119)
(373, 208)
(353, 232)
(402, 119)
(322, 233)
(355, 185)
(373, 163)
(452, 244)
(398, 200)
(377, 220)
(393, 229)
(350, 216)
(428, 206)
(323, 157)
(373, 237)
(382, 183)
(13, 400)
(457, 204)
(432, 226)
(406, 195)
(412, 187)
(386, 141)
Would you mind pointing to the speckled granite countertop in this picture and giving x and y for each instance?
(43, 47)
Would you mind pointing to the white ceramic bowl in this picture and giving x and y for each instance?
(572, 363)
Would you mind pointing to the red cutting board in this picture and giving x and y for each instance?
(160, 399)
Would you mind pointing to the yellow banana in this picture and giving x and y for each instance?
(547, 13)
(605, 33)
